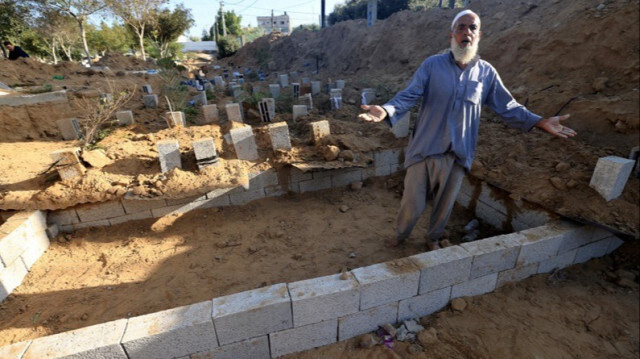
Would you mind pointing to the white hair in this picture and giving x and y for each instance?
(461, 14)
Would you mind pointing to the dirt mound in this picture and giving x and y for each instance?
(29, 72)
(119, 62)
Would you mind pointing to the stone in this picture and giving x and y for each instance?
(321, 130)
(274, 89)
(414, 349)
(315, 87)
(205, 152)
(346, 155)
(299, 110)
(70, 129)
(244, 143)
(458, 304)
(356, 185)
(211, 114)
(279, 133)
(562, 167)
(233, 112)
(368, 341)
(96, 158)
(125, 118)
(267, 107)
(175, 119)
(169, 155)
(150, 101)
(67, 163)
(330, 152)
(558, 183)
(284, 80)
(307, 100)
(340, 84)
(610, 176)
(428, 337)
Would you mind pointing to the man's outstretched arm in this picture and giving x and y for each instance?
(553, 126)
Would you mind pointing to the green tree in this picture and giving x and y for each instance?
(307, 27)
(114, 38)
(169, 26)
(227, 46)
(137, 14)
(232, 22)
(357, 9)
(14, 16)
(57, 31)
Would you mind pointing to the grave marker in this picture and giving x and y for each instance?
(175, 119)
(299, 110)
(244, 143)
(233, 112)
(210, 113)
(70, 129)
(321, 130)
(125, 118)
(67, 163)
(169, 155)
(150, 101)
(205, 152)
(279, 133)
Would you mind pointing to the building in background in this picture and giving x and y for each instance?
(280, 23)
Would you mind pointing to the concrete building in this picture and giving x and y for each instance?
(280, 23)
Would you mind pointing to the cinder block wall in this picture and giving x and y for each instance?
(290, 317)
(23, 239)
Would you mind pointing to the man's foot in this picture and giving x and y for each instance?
(433, 245)
(393, 243)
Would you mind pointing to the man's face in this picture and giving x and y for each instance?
(466, 31)
(10, 47)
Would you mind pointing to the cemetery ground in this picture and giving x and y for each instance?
(94, 275)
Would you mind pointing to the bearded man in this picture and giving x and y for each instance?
(452, 88)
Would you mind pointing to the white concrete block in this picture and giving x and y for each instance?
(255, 348)
(233, 112)
(615, 243)
(367, 320)
(315, 184)
(443, 268)
(11, 277)
(495, 254)
(169, 155)
(130, 217)
(593, 250)
(100, 211)
(345, 177)
(14, 351)
(63, 217)
(96, 341)
(490, 215)
(611, 175)
(279, 133)
(540, 243)
(424, 304)
(14, 240)
(38, 244)
(303, 338)
(517, 274)
(244, 197)
(252, 313)
(125, 118)
(299, 110)
(171, 333)
(318, 299)
(476, 286)
(210, 113)
(244, 143)
(135, 206)
(387, 282)
(578, 235)
(388, 157)
(558, 262)
(321, 130)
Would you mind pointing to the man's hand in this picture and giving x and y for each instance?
(375, 113)
(554, 127)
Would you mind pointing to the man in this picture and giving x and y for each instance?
(452, 88)
(15, 52)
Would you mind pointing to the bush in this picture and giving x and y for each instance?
(227, 46)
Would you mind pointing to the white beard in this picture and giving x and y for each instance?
(464, 55)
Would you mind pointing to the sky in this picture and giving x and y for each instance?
(300, 12)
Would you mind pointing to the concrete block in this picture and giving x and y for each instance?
(11, 277)
(263, 178)
(38, 244)
(401, 128)
(69, 129)
(517, 274)
(62, 217)
(267, 109)
(611, 175)
(274, 191)
(279, 133)
(365, 321)
(171, 333)
(307, 100)
(615, 243)
(315, 87)
(578, 235)
(492, 197)
(491, 215)
(530, 217)
(296, 175)
(233, 112)
(14, 351)
(299, 110)
(200, 98)
(424, 304)
(217, 198)
(345, 177)
(237, 92)
(284, 80)
(495, 254)
(175, 119)
(52, 231)
(185, 200)
(255, 348)
(315, 184)
(135, 206)
(295, 90)
(252, 313)
(387, 282)
(540, 243)
(463, 200)
(319, 299)
(380, 171)
(205, 152)
(274, 89)
(303, 338)
(130, 217)
(244, 143)
(387, 157)
(125, 118)
(101, 223)
(169, 155)
(558, 262)
(368, 96)
(96, 341)
(210, 113)
(321, 130)
(67, 163)
(244, 197)
(32, 99)
(147, 89)
(592, 250)
(442, 268)
(218, 81)
(340, 84)
(475, 286)
(100, 211)
(14, 240)
(150, 101)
